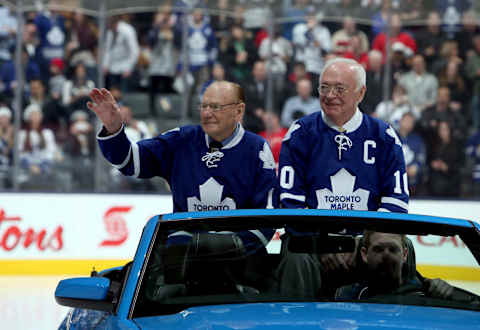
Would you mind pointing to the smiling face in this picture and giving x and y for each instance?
(340, 108)
(220, 124)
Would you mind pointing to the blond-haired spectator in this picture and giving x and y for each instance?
(341, 38)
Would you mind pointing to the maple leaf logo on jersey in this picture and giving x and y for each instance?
(267, 157)
(342, 196)
(210, 198)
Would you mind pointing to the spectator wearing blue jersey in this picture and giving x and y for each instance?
(213, 166)
(414, 152)
(52, 35)
(473, 154)
(202, 51)
(8, 76)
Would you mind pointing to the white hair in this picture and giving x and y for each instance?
(358, 70)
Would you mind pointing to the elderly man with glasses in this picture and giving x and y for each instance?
(213, 166)
(338, 158)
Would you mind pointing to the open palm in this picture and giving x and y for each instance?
(106, 108)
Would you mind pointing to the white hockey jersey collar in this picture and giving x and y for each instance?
(349, 126)
(232, 140)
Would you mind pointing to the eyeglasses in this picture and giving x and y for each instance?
(338, 90)
(214, 107)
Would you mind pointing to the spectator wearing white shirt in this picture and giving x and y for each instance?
(393, 110)
(312, 42)
(277, 53)
(8, 32)
(421, 86)
(135, 130)
(121, 53)
(301, 105)
(75, 90)
(37, 145)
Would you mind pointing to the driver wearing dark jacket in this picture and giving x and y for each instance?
(390, 269)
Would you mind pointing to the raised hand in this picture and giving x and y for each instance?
(106, 109)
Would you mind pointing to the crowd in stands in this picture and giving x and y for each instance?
(422, 60)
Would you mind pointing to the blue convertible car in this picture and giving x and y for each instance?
(321, 269)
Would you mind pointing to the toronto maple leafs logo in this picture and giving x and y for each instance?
(342, 196)
(211, 158)
(343, 142)
(210, 198)
(267, 157)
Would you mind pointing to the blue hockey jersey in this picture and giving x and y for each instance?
(473, 151)
(361, 168)
(415, 154)
(240, 175)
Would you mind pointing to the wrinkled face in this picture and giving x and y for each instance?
(340, 107)
(220, 124)
(385, 257)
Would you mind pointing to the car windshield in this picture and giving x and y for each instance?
(193, 263)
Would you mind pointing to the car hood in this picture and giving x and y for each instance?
(333, 315)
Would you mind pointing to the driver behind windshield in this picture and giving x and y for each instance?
(385, 256)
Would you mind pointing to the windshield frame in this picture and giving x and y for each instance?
(333, 221)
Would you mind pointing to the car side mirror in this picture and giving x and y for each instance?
(85, 292)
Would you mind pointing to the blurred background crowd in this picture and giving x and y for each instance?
(422, 60)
